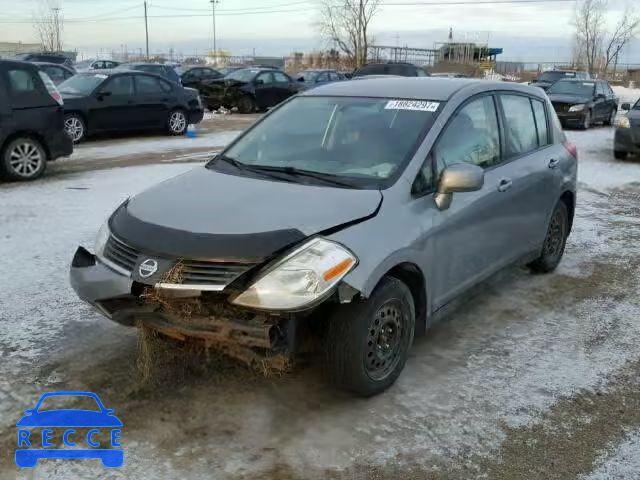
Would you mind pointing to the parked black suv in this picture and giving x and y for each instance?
(45, 57)
(548, 78)
(579, 103)
(31, 121)
(390, 68)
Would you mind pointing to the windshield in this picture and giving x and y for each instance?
(61, 402)
(356, 138)
(81, 84)
(555, 76)
(582, 89)
(307, 76)
(243, 75)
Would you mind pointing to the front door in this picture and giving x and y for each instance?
(471, 238)
(283, 85)
(113, 104)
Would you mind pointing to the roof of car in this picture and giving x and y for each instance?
(51, 64)
(580, 80)
(418, 88)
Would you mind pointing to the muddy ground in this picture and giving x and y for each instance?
(537, 377)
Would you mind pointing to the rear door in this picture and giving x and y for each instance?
(265, 90)
(113, 105)
(153, 98)
(531, 169)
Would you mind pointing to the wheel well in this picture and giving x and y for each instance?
(26, 133)
(413, 278)
(569, 199)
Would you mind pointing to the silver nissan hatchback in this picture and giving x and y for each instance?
(352, 214)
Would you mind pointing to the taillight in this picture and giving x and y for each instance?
(571, 148)
(51, 88)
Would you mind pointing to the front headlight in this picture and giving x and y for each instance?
(577, 108)
(101, 239)
(304, 276)
(623, 122)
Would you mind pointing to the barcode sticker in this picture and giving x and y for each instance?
(419, 105)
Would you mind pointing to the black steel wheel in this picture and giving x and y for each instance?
(368, 340)
(246, 104)
(554, 242)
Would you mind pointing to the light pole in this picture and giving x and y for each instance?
(213, 18)
(56, 13)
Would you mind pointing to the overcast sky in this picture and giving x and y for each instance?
(530, 31)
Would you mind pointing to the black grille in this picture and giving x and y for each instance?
(209, 273)
(194, 272)
(120, 253)
(561, 107)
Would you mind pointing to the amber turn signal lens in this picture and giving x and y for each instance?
(338, 269)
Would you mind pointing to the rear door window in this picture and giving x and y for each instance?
(520, 129)
(541, 122)
(148, 85)
(266, 77)
(281, 77)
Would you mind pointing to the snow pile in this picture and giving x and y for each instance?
(626, 94)
(623, 463)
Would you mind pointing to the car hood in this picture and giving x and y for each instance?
(572, 99)
(205, 214)
(69, 418)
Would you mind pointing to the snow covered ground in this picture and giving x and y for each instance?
(503, 363)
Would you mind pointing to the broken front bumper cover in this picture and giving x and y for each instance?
(210, 319)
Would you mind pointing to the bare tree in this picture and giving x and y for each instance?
(46, 22)
(625, 30)
(589, 23)
(345, 23)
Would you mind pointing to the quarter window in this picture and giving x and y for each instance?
(520, 127)
(472, 136)
(541, 122)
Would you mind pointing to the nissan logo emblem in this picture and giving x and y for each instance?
(148, 268)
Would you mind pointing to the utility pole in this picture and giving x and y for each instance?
(146, 28)
(56, 13)
(213, 17)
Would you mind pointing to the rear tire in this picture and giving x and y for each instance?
(620, 155)
(246, 104)
(23, 159)
(554, 242)
(368, 341)
(75, 127)
(177, 122)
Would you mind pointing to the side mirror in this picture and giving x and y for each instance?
(459, 177)
(626, 106)
(600, 96)
(259, 81)
(105, 93)
(300, 79)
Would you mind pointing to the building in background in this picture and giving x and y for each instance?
(9, 49)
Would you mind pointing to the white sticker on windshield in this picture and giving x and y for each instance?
(419, 105)
(100, 75)
(587, 84)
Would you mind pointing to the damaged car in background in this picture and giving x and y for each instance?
(249, 89)
(346, 234)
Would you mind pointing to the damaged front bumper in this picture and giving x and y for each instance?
(204, 316)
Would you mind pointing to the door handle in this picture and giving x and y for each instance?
(505, 184)
(554, 162)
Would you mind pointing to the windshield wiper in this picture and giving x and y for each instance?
(250, 168)
(295, 172)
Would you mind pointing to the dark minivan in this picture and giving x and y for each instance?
(31, 121)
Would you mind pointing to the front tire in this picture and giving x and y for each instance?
(368, 341)
(75, 127)
(612, 117)
(23, 159)
(554, 242)
(246, 104)
(177, 122)
(620, 155)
